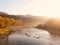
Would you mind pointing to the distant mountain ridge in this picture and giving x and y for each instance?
(24, 18)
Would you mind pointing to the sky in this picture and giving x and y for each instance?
(50, 8)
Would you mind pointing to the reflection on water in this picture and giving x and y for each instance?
(30, 36)
(33, 36)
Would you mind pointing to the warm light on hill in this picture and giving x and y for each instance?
(6, 23)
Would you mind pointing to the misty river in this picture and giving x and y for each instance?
(32, 36)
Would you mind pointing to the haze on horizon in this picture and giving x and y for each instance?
(50, 8)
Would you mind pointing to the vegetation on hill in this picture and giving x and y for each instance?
(6, 23)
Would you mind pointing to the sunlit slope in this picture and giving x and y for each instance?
(6, 23)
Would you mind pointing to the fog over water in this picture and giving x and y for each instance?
(30, 36)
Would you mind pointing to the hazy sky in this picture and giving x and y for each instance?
(34, 7)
